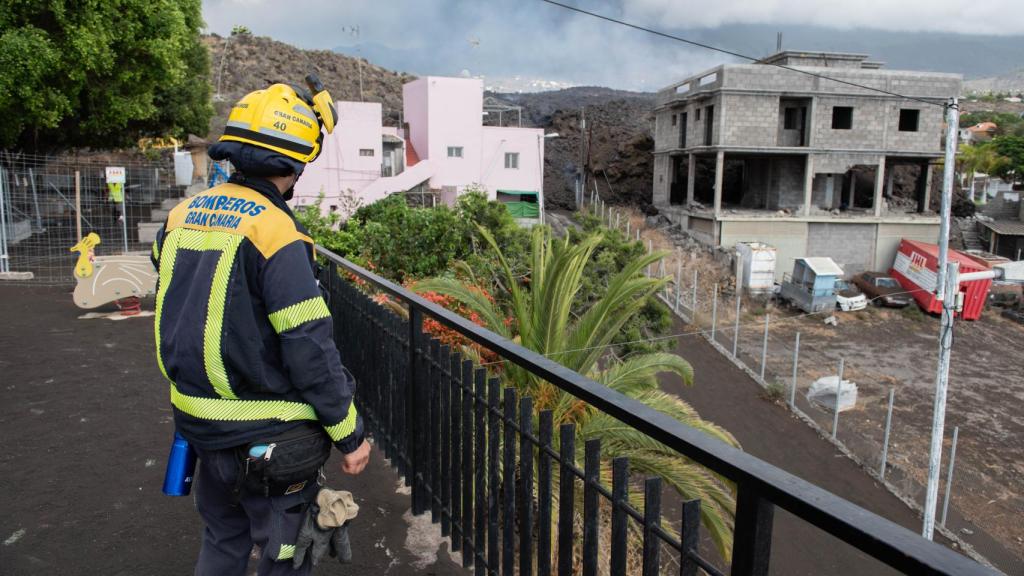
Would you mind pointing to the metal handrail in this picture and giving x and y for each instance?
(759, 483)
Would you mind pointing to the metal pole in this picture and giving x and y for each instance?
(885, 440)
(796, 360)
(835, 409)
(714, 312)
(679, 291)
(78, 206)
(952, 129)
(124, 215)
(941, 387)
(35, 201)
(736, 327)
(949, 474)
(627, 229)
(617, 214)
(764, 345)
(637, 234)
(649, 250)
(4, 266)
(694, 298)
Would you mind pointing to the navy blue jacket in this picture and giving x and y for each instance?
(243, 333)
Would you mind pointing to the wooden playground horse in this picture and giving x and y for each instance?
(119, 279)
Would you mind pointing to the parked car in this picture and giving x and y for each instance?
(882, 290)
(1005, 294)
(849, 298)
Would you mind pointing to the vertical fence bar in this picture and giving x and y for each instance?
(627, 229)
(949, 475)
(591, 478)
(885, 440)
(617, 214)
(493, 480)
(545, 433)
(78, 206)
(4, 256)
(736, 326)
(508, 482)
(796, 363)
(620, 521)
(124, 216)
(436, 419)
(566, 497)
(637, 234)
(652, 518)
(468, 469)
(455, 450)
(444, 394)
(412, 415)
(480, 410)
(689, 537)
(714, 312)
(525, 487)
(752, 533)
(764, 346)
(839, 390)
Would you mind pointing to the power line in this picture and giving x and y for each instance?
(736, 54)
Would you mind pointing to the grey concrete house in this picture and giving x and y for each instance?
(811, 166)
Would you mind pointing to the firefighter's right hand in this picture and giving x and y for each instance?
(354, 462)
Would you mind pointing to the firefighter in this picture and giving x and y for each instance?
(245, 338)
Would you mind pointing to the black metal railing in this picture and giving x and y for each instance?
(485, 464)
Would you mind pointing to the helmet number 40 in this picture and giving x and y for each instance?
(281, 126)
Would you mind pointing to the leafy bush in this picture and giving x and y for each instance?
(614, 253)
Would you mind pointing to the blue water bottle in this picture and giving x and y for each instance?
(181, 466)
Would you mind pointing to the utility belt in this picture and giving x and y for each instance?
(284, 464)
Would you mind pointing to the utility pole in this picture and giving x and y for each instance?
(947, 289)
(583, 154)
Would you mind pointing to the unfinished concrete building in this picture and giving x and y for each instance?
(811, 166)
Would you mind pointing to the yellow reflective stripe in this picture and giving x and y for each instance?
(166, 272)
(240, 410)
(298, 314)
(287, 551)
(212, 334)
(156, 251)
(345, 427)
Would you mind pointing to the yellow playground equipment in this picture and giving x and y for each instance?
(103, 279)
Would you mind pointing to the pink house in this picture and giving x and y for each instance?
(443, 147)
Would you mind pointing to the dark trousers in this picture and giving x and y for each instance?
(232, 528)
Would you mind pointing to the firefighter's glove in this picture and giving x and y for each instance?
(325, 528)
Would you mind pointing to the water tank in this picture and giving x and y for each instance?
(758, 266)
(183, 168)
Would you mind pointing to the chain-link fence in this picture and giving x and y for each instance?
(50, 203)
(797, 359)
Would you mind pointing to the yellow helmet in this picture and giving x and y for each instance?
(285, 119)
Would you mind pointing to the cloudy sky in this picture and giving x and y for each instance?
(505, 40)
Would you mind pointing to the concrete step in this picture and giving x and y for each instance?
(148, 231)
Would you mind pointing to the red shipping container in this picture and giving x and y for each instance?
(916, 268)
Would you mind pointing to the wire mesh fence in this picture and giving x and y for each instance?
(50, 203)
(800, 370)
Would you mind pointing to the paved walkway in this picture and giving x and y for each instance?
(727, 396)
(86, 426)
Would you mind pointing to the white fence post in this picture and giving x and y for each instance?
(714, 313)
(764, 346)
(839, 389)
(796, 361)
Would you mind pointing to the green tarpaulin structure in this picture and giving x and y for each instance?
(520, 203)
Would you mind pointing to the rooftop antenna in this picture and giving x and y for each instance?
(778, 42)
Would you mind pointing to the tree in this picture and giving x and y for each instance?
(1011, 148)
(101, 73)
(982, 158)
(540, 308)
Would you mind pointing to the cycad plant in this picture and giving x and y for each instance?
(540, 307)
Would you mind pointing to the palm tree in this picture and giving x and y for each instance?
(981, 158)
(540, 307)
